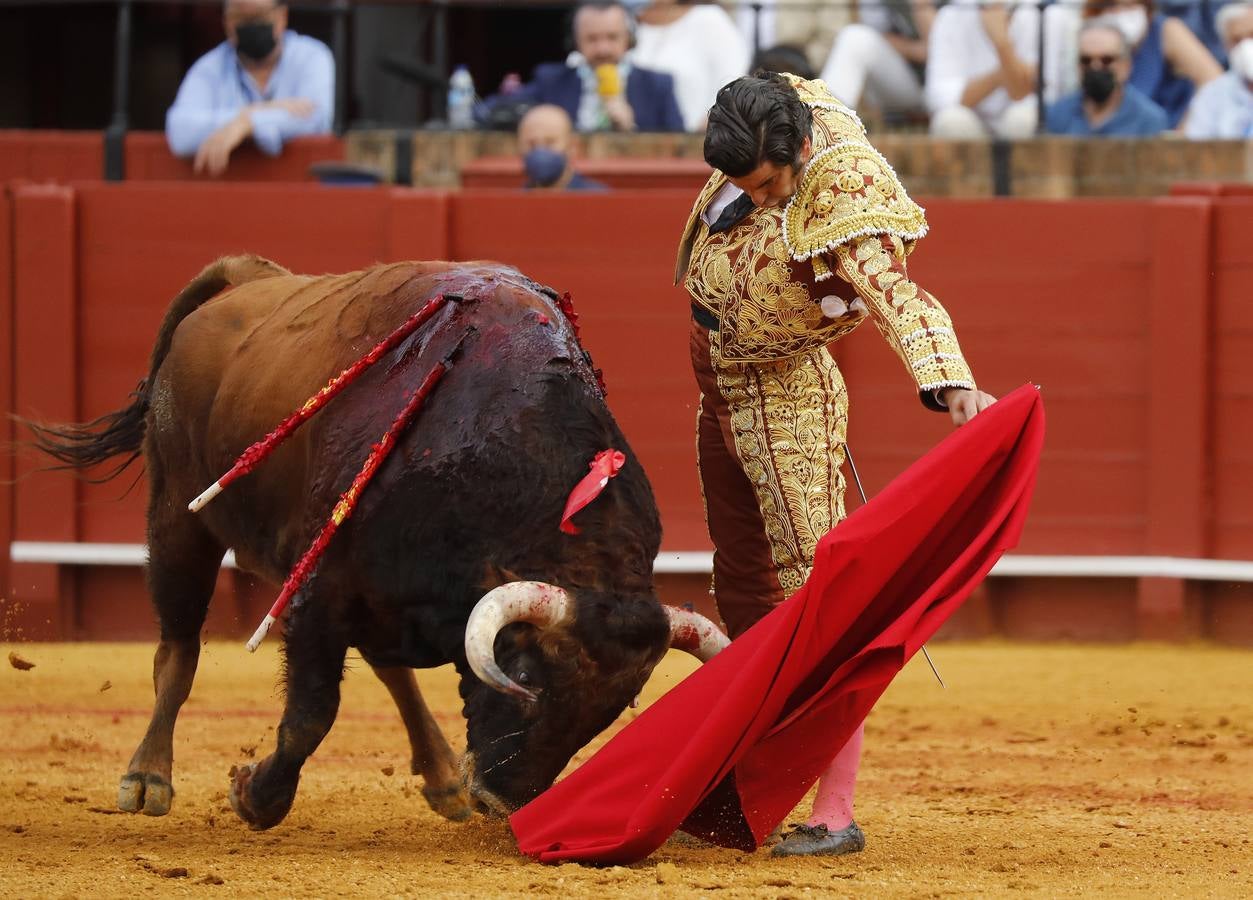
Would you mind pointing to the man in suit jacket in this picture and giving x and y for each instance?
(597, 85)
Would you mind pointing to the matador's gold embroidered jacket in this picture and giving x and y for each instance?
(768, 281)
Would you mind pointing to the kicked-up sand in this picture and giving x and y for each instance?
(1042, 770)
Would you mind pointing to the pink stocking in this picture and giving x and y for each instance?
(833, 806)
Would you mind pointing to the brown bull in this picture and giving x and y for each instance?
(474, 489)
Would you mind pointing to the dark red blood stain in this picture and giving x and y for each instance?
(566, 304)
(543, 319)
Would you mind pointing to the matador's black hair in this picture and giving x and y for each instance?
(755, 119)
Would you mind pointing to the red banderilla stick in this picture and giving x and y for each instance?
(257, 453)
(347, 502)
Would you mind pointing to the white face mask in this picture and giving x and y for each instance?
(1133, 23)
(1241, 59)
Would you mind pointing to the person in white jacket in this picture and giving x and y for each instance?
(698, 45)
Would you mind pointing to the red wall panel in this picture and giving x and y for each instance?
(140, 243)
(1233, 379)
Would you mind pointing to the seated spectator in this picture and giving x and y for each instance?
(263, 82)
(880, 60)
(546, 143)
(783, 58)
(598, 85)
(1223, 108)
(1168, 62)
(1105, 105)
(696, 44)
(1199, 16)
(808, 26)
(981, 70)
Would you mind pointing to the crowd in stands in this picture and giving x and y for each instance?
(962, 68)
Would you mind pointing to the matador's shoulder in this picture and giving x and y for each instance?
(848, 190)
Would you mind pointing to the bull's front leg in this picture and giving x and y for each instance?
(432, 758)
(262, 794)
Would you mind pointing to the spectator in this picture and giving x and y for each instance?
(1199, 16)
(881, 59)
(598, 86)
(263, 82)
(698, 45)
(809, 26)
(1223, 108)
(783, 58)
(981, 70)
(546, 142)
(1106, 105)
(1168, 62)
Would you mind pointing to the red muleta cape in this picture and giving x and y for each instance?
(730, 751)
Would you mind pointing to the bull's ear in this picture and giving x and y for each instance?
(494, 576)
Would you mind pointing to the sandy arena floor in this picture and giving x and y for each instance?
(1040, 771)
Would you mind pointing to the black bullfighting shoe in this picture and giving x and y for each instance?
(818, 840)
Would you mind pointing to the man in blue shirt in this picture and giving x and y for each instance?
(1223, 108)
(263, 82)
(1106, 105)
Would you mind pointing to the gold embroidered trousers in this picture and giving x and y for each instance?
(770, 445)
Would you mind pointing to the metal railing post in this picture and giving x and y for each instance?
(115, 134)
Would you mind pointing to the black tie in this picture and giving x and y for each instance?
(734, 213)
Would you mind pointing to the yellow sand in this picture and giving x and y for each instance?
(1042, 771)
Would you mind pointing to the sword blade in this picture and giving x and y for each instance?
(852, 466)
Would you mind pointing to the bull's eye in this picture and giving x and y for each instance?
(524, 677)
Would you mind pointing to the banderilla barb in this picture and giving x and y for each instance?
(348, 500)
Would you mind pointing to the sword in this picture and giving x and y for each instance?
(848, 454)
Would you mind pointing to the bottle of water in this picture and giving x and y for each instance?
(461, 99)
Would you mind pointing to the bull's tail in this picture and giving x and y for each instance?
(82, 446)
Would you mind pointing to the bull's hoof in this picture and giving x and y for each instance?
(450, 802)
(143, 792)
(258, 816)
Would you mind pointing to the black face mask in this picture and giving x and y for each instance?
(255, 40)
(1099, 84)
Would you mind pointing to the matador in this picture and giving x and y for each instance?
(800, 235)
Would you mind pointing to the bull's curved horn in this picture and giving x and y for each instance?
(693, 633)
(518, 601)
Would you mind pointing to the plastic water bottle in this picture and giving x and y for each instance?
(461, 99)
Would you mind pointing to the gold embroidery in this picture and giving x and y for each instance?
(912, 321)
(869, 201)
(745, 277)
(789, 420)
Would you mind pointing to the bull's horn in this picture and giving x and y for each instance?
(693, 633)
(518, 601)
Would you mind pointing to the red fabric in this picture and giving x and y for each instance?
(730, 751)
(604, 465)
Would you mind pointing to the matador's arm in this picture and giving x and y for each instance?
(912, 321)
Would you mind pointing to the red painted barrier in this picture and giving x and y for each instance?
(621, 173)
(65, 156)
(1132, 315)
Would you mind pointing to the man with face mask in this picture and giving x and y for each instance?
(545, 140)
(1105, 105)
(1223, 109)
(263, 82)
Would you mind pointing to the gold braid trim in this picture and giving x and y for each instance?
(912, 321)
(789, 420)
(847, 191)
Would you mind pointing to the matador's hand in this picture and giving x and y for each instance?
(964, 404)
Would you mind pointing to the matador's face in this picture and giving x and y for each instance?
(770, 184)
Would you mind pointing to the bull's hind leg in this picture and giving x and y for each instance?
(262, 794)
(183, 562)
(432, 757)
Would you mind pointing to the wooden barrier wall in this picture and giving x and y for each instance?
(63, 156)
(1131, 314)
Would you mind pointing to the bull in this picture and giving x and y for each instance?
(453, 553)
